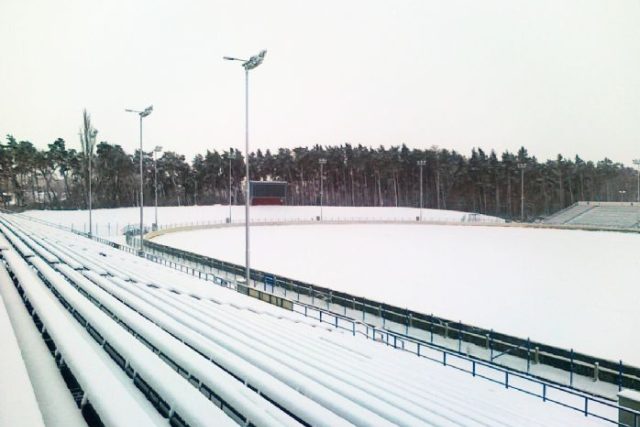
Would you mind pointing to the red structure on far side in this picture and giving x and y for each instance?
(268, 193)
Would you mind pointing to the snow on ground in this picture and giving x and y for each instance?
(566, 288)
(110, 222)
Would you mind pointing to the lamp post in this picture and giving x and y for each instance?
(247, 64)
(522, 167)
(156, 152)
(637, 163)
(142, 115)
(232, 156)
(421, 163)
(322, 162)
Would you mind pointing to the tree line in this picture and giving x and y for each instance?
(58, 177)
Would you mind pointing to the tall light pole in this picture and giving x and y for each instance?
(637, 163)
(142, 115)
(522, 167)
(322, 162)
(232, 156)
(156, 152)
(421, 163)
(247, 64)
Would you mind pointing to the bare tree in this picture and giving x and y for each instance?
(87, 142)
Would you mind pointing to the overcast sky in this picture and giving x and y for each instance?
(557, 76)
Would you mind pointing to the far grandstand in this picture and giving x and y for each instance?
(599, 214)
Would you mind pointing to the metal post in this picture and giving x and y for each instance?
(249, 64)
(321, 187)
(322, 162)
(155, 184)
(421, 163)
(620, 376)
(141, 191)
(141, 114)
(571, 369)
(231, 157)
(522, 167)
(522, 194)
(637, 163)
(248, 194)
(90, 198)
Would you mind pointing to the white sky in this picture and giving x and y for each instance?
(552, 75)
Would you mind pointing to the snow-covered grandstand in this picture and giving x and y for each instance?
(599, 214)
(137, 343)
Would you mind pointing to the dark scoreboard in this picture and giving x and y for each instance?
(268, 192)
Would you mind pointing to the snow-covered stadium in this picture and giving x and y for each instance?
(96, 334)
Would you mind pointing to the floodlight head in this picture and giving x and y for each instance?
(636, 162)
(422, 162)
(254, 61)
(322, 161)
(158, 149)
(146, 111)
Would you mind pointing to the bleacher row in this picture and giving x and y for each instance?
(151, 346)
(599, 214)
(21, 402)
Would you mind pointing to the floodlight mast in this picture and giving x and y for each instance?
(522, 166)
(637, 163)
(156, 152)
(322, 161)
(232, 157)
(144, 113)
(421, 163)
(247, 64)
